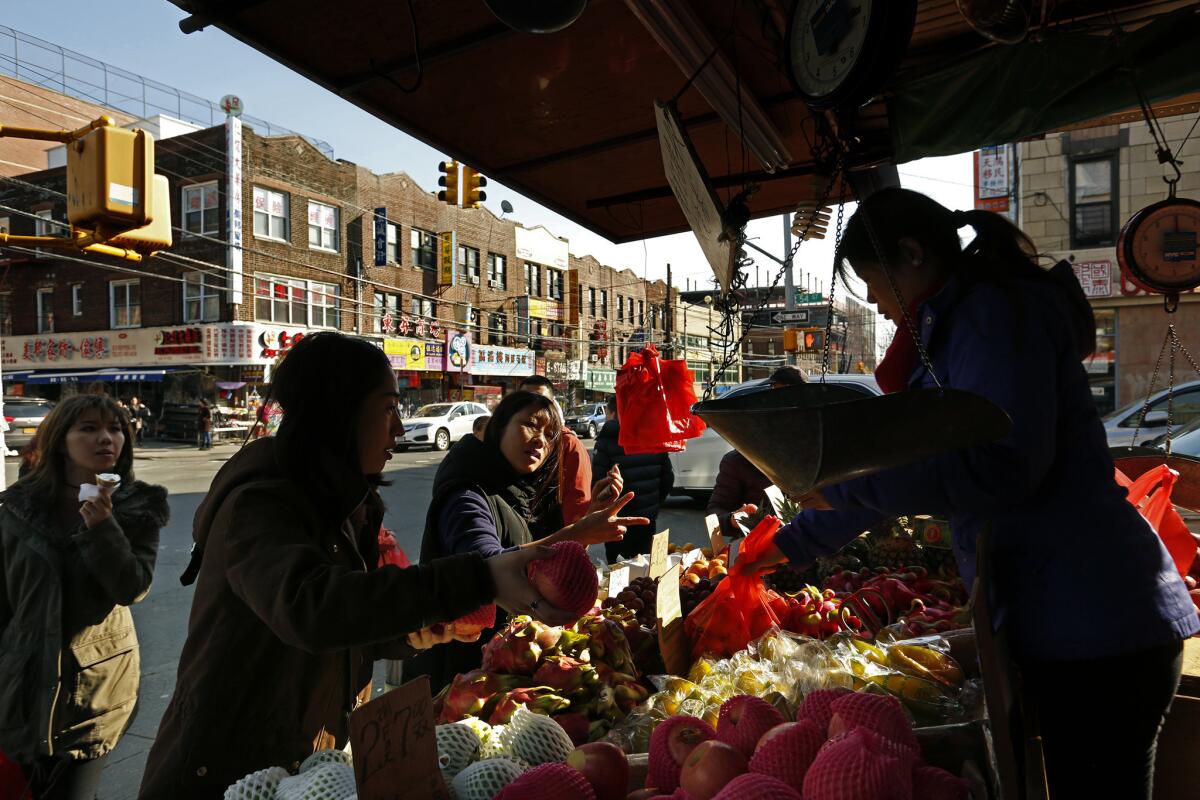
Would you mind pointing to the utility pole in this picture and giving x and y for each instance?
(789, 287)
(669, 317)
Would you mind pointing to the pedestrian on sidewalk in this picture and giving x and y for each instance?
(574, 466)
(139, 415)
(204, 424)
(69, 662)
(648, 475)
(291, 605)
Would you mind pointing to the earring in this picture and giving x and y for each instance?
(917, 262)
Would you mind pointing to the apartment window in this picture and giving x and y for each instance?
(270, 214)
(200, 209)
(6, 313)
(326, 311)
(498, 328)
(620, 308)
(201, 301)
(497, 271)
(533, 280)
(592, 300)
(653, 317)
(48, 227)
(424, 249)
(630, 300)
(77, 299)
(468, 264)
(641, 312)
(1093, 201)
(4, 225)
(393, 243)
(424, 307)
(282, 300)
(604, 303)
(387, 311)
(45, 311)
(322, 226)
(125, 303)
(554, 284)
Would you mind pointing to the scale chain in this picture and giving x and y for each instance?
(833, 279)
(1150, 392)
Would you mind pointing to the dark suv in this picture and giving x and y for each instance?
(23, 415)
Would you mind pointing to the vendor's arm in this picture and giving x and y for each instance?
(121, 559)
(812, 534)
(729, 493)
(465, 525)
(1014, 366)
(311, 604)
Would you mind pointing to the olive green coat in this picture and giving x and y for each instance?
(68, 650)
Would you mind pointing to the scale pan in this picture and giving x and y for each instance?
(1134, 461)
(813, 435)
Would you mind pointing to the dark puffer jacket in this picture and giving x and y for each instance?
(648, 475)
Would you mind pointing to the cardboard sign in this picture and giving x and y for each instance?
(395, 746)
(618, 579)
(691, 557)
(668, 605)
(658, 553)
(672, 639)
(775, 500)
(715, 540)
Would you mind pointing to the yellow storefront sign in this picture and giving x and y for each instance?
(409, 351)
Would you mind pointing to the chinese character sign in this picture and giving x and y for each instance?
(233, 226)
(1095, 277)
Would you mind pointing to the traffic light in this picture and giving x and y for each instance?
(449, 180)
(813, 340)
(473, 184)
(790, 340)
(110, 185)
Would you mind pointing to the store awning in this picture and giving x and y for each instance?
(127, 375)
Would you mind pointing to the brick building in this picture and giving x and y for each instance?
(1076, 189)
(274, 239)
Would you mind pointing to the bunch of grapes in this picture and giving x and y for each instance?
(692, 596)
(786, 580)
(641, 596)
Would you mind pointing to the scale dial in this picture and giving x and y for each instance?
(840, 52)
(1159, 247)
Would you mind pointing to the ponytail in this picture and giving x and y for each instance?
(1000, 252)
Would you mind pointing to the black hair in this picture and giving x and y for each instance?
(787, 375)
(320, 385)
(1000, 253)
(611, 404)
(513, 404)
(537, 380)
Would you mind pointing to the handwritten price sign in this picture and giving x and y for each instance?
(395, 746)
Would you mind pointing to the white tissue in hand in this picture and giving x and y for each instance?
(87, 491)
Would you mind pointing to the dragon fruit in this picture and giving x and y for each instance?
(536, 698)
(515, 650)
(565, 675)
(470, 692)
(607, 643)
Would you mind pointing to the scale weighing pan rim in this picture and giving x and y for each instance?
(1136, 460)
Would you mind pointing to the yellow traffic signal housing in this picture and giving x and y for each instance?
(790, 340)
(473, 184)
(110, 185)
(156, 235)
(449, 180)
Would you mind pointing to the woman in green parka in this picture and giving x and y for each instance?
(68, 572)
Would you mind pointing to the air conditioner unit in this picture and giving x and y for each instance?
(594, 358)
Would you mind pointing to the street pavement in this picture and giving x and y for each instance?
(162, 617)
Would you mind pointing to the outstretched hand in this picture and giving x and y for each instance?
(604, 524)
(515, 594)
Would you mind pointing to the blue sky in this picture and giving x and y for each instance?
(143, 36)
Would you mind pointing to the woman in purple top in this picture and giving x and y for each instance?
(1099, 666)
(485, 495)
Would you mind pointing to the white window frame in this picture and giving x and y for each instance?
(555, 284)
(324, 305)
(292, 284)
(423, 241)
(267, 216)
(604, 303)
(386, 303)
(46, 228)
(392, 248)
(45, 315)
(210, 218)
(200, 290)
(77, 299)
(5, 225)
(620, 308)
(468, 267)
(497, 271)
(113, 306)
(424, 307)
(327, 238)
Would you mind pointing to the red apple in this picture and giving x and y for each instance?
(683, 740)
(709, 767)
(605, 767)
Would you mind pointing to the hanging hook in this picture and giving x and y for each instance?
(1171, 299)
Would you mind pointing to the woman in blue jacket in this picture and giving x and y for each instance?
(1093, 606)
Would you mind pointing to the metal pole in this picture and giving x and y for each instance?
(789, 286)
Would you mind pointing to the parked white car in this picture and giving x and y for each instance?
(1122, 424)
(696, 467)
(437, 425)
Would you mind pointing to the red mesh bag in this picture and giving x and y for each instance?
(739, 609)
(1150, 493)
(654, 404)
(859, 766)
(882, 713)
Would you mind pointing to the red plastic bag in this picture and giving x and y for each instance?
(389, 550)
(12, 780)
(741, 608)
(654, 404)
(1150, 494)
